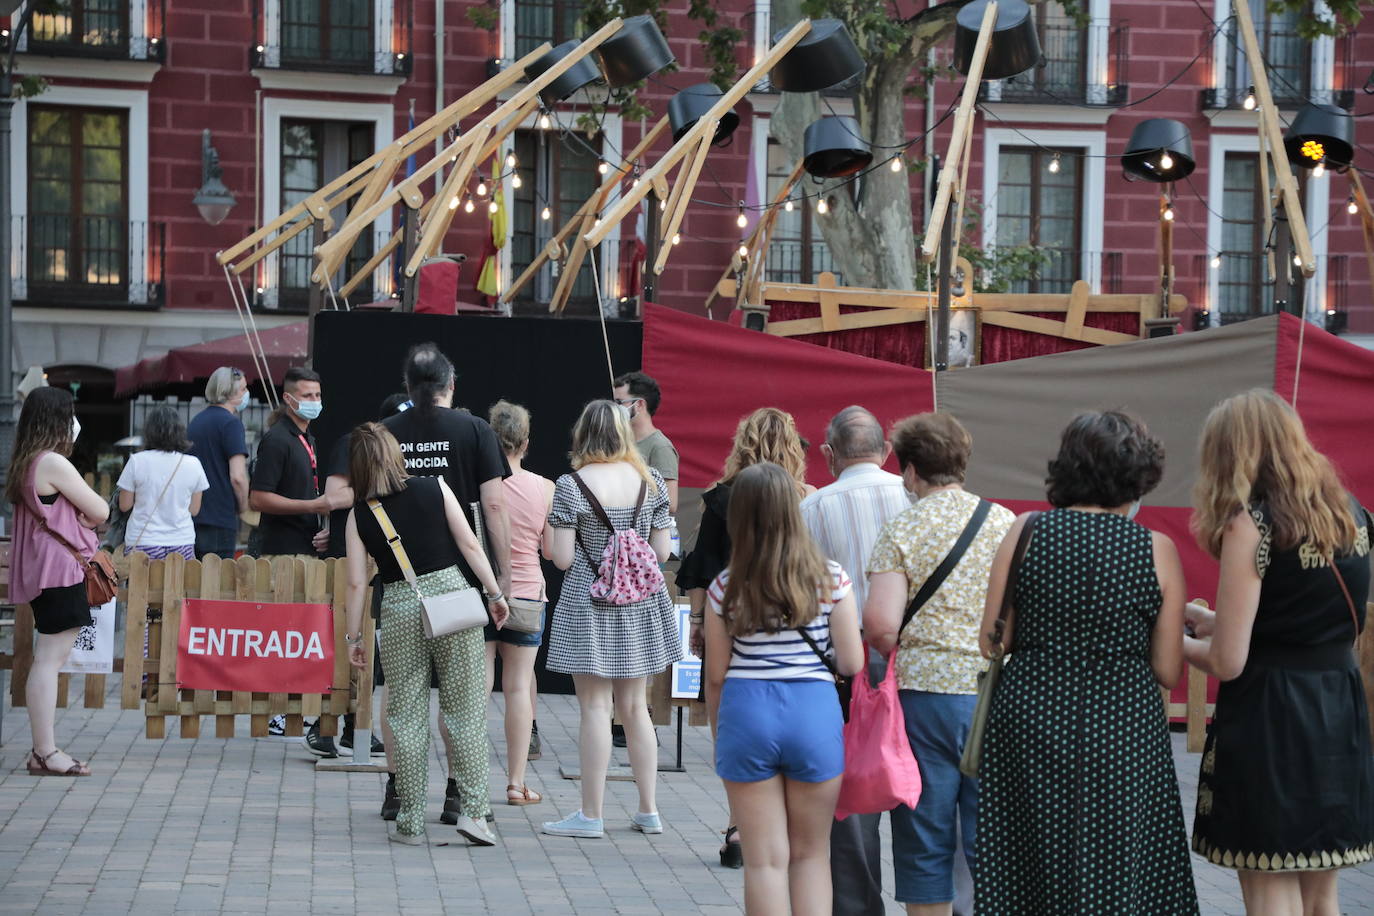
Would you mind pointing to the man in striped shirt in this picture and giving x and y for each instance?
(845, 519)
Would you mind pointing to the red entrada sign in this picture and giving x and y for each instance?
(246, 645)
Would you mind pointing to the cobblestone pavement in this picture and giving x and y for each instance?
(248, 826)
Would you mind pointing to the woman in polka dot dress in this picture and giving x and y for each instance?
(1078, 807)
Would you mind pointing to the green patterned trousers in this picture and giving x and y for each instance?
(460, 660)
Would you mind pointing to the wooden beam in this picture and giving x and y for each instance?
(307, 220)
(692, 137)
(410, 142)
(1078, 309)
(332, 252)
(1052, 328)
(682, 192)
(877, 318)
(963, 123)
(1269, 123)
(830, 301)
(441, 215)
(1366, 217)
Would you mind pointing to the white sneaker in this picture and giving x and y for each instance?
(476, 831)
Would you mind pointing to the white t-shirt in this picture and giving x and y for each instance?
(785, 655)
(168, 524)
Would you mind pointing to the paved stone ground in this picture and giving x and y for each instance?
(248, 826)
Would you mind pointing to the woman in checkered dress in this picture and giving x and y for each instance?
(610, 650)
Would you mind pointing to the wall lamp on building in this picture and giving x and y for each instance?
(213, 200)
(1336, 321)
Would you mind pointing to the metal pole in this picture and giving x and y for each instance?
(6, 302)
(943, 282)
(651, 243)
(1284, 298)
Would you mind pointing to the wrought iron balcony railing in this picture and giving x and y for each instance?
(99, 29)
(1085, 65)
(111, 262)
(333, 36)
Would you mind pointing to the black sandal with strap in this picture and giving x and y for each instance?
(732, 853)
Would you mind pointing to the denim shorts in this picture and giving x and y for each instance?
(923, 840)
(515, 637)
(771, 727)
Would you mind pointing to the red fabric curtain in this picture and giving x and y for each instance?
(1002, 344)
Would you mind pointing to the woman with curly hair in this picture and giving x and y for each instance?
(1286, 793)
(767, 434)
(1078, 806)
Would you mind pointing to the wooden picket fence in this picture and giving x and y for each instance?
(155, 592)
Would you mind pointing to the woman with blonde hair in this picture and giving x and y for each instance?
(528, 500)
(767, 434)
(610, 644)
(1286, 792)
(776, 614)
(432, 532)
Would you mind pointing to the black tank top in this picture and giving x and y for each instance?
(417, 513)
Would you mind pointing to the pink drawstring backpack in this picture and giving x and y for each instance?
(628, 571)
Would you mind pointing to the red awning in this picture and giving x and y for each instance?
(285, 347)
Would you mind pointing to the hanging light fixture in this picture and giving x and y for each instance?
(515, 181)
(491, 207)
(468, 206)
(834, 148)
(1054, 165)
(742, 221)
(1015, 46)
(545, 214)
(213, 199)
(1319, 170)
(583, 73)
(1320, 135)
(1249, 103)
(636, 52)
(511, 161)
(744, 251)
(787, 205)
(1216, 261)
(544, 122)
(687, 106)
(896, 165)
(602, 167)
(1350, 206)
(677, 238)
(481, 188)
(1154, 142)
(453, 204)
(822, 207)
(1168, 213)
(824, 58)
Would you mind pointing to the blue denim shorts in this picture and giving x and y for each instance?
(771, 727)
(515, 637)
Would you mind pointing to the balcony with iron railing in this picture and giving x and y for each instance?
(1235, 286)
(1288, 56)
(358, 37)
(1080, 65)
(97, 261)
(95, 29)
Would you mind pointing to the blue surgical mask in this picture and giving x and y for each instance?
(243, 402)
(308, 410)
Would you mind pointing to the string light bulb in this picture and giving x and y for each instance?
(822, 207)
(602, 166)
(511, 161)
(677, 238)
(742, 221)
(1054, 165)
(1350, 206)
(481, 188)
(663, 205)
(1319, 170)
(492, 208)
(634, 184)
(744, 251)
(468, 206)
(453, 204)
(516, 181)
(1297, 260)
(787, 205)
(1166, 161)
(545, 214)
(544, 122)
(1216, 261)
(896, 165)
(597, 221)
(1168, 211)
(1249, 103)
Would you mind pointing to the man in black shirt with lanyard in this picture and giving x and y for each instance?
(285, 485)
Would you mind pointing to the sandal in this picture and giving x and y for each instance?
(732, 854)
(522, 795)
(38, 765)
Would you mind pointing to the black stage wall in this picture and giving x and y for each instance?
(552, 366)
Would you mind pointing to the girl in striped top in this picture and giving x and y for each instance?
(779, 739)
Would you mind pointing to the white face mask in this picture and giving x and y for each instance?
(243, 402)
(76, 428)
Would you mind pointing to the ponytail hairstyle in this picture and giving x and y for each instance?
(1254, 449)
(45, 425)
(428, 374)
(603, 434)
(375, 466)
(511, 423)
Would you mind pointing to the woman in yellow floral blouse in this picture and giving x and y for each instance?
(937, 659)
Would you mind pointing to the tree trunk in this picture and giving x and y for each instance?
(870, 233)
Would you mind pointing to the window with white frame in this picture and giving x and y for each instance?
(1039, 205)
(538, 21)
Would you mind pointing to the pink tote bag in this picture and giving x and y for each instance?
(880, 770)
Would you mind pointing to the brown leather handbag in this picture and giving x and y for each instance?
(99, 569)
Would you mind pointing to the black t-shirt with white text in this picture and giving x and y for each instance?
(454, 445)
